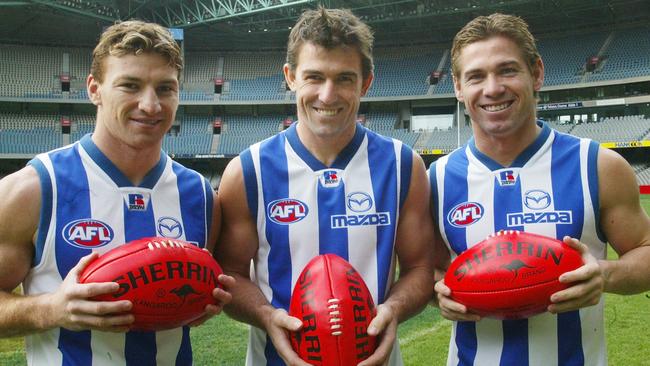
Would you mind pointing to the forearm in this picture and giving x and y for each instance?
(248, 304)
(411, 293)
(21, 315)
(630, 274)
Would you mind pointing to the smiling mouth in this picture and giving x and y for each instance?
(496, 107)
(150, 122)
(326, 112)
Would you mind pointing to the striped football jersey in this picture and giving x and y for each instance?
(88, 205)
(550, 189)
(303, 208)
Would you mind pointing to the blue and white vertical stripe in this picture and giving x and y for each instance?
(79, 182)
(558, 170)
(371, 166)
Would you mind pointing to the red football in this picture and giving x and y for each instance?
(169, 281)
(511, 274)
(335, 306)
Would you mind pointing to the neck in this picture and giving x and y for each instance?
(134, 163)
(504, 149)
(325, 148)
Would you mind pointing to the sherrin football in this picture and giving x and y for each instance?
(335, 306)
(169, 281)
(511, 274)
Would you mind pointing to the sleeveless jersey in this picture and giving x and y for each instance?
(88, 205)
(303, 208)
(550, 189)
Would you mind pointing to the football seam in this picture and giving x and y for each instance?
(148, 247)
(505, 290)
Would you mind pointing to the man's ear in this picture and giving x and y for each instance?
(366, 84)
(92, 87)
(289, 77)
(538, 75)
(458, 91)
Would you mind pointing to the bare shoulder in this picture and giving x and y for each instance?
(622, 219)
(21, 192)
(19, 215)
(616, 179)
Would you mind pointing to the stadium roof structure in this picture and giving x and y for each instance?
(265, 24)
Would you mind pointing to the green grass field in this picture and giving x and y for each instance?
(423, 339)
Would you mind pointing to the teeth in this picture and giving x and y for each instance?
(326, 112)
(496, 108)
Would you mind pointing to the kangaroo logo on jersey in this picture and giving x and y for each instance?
(286, 211)
(537, 199)
(169, 227)
(507, 177)
(330, 178)
(359, 201)
(87, 233)
(465, 214)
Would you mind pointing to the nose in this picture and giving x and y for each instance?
(493, 86)
(328, 93)
(149, 101)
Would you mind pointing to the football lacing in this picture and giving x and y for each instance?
(335, 316)
(164, 244)
(503, 232)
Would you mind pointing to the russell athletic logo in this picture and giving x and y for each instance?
(465, 214)
(507, 177)
(330, 178)
(286, 211)
(87, 233)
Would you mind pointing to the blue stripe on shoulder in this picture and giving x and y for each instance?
(433, 183)
(209, 205)
(592, 176)
(189, 184)
(250, 181)
(406, 171)
(46, 209)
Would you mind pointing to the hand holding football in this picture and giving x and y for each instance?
(511, 274)
(169, 281)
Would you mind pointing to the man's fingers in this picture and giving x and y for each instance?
(283, 320)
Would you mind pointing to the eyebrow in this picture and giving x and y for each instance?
(137, 80)
(500, 65)
(344, 73)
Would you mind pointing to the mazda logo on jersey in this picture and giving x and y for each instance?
(536, 199)
(286, 211)
(169, 227)
(87, 233)
(359, 201)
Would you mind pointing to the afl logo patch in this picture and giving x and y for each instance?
(87, 233)
(286, 211)
(465, 214)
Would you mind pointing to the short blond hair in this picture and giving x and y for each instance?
(134, 37)
(484, 27)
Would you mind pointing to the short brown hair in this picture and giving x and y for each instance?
(134, 37)
(331, 28)
(484, 27)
